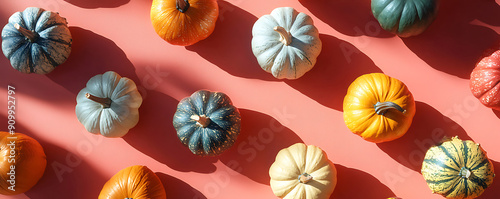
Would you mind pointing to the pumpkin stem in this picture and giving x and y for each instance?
(105, 102)
(182, 5)
(465, 173)
(285, 36)
(382, 107)
(201, 120)
(305, 178)
(32, 36)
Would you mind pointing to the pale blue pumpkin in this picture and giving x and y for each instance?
(36, 41)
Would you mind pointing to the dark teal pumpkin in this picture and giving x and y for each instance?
(405, 17)
(207, 122)
(36, 41)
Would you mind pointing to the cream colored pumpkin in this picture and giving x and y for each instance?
(303, 172)
(286, 43)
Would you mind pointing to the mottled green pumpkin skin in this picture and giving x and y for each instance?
(222, 130)
(51, 47)
(457, 169)
(405, 17)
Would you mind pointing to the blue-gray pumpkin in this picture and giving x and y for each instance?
(405, 17)
(36, 41)
(207, 122)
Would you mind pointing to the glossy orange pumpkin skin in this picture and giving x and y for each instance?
(485, 78)
(184, 28)
(360, 107)
(30, 162)
(137, 182)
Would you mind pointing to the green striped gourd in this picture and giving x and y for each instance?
(457, 169)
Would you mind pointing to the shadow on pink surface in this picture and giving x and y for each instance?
(91, 54)
(349, 181)
(349, 17)
(232, 36)
(338, 65)
(176, 188)
(493, 191)
(428, 128)
(260, 140)
(455, 42)
(156, 137)
(66, 176)
(91, 4)
(497, 113)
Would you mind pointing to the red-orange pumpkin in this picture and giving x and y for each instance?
(485, 80)
(184, 22)
(23, 157)
(137, 182)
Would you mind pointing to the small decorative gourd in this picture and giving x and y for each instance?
(207, 122)
(184, 22)
(405, 17)
(286, 43)
(109, 105)
(302, 171)
(36, 40)
(457, 169)
(134, 182)
(378, 108)
(485, 79)
(22, 163)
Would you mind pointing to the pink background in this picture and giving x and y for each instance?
(117, 35)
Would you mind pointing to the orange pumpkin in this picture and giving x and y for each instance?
(184, 22)
(379, 108)
(22, 163)
(137, 182)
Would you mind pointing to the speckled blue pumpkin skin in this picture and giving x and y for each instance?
(50, 49)
(222, 131)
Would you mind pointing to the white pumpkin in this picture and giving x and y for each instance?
(286, 43)
(108, 105)
(302, 172)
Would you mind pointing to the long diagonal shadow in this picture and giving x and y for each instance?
(338, 65)
(348, 181)
(156, 137)
(69, 172)
(493, 191)
(428, 128)
(260, 140)
(176, 188)
(92, 4)
(349, 17)
(233, 36)
(453, 43)
(91, 54)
